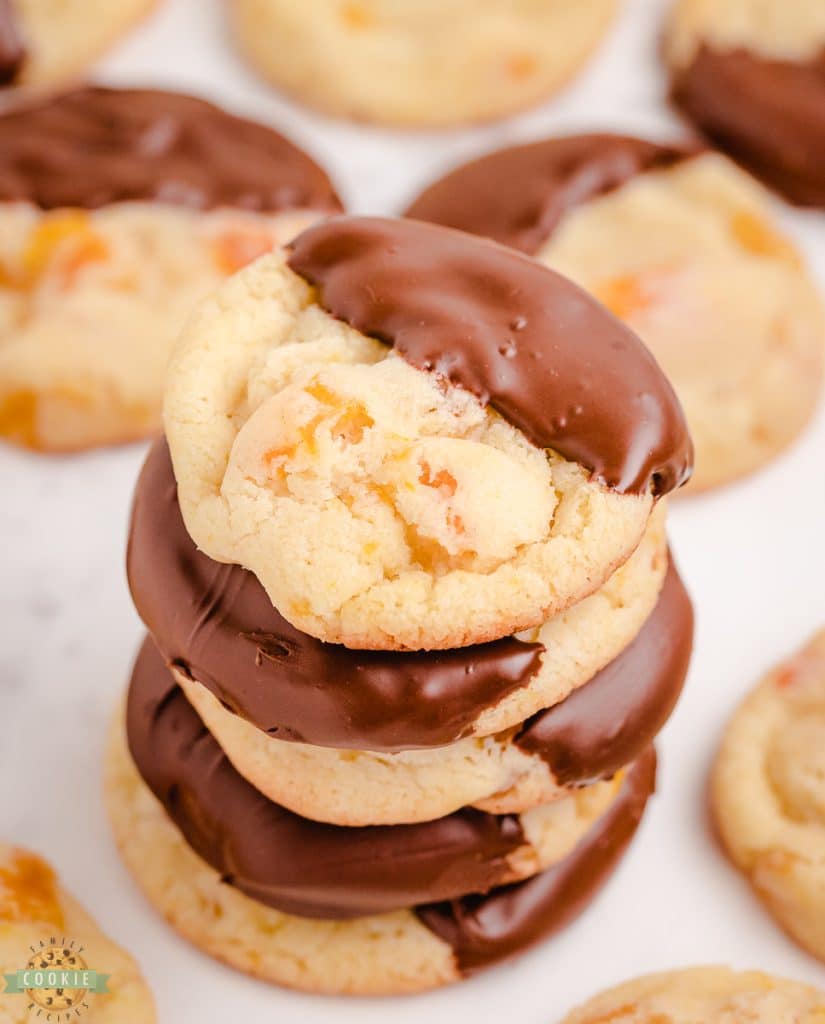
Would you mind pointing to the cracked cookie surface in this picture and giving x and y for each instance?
(381, 506)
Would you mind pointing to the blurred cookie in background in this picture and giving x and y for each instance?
(713, 995)
(120, 209)
(44, 43)
(681, 245)
(769, 793)
(750, 74)
(431, 63)
(44, 930)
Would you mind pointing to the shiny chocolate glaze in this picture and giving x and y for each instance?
(316, 870)
(216, 623)
(518, 195)
(483, 930)
(281, 859)
(767, 114)
(94, 146)
(609, 721)
(520, 337)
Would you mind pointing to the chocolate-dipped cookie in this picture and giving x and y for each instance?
(682, 246)
(120, 209)
(751, 76)
(463, 727)
(327, 871)
(456, 442)
(403, 951)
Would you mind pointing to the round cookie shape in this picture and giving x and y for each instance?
(511, 54)
(215, 624)
(317, 870)
(714, 995)
(667, 237)
(768, 793)
(591, 735)
(37, 916)
(43, 43)
(751, 76)
(384, 954)
(120, 210)
(95, 146)
(427, 486)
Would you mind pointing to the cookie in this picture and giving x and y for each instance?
(403, 951)
(120, 210)
(217, 626)
(44, 43)
(331, 54)
(682, 246)
(327, 871)
(589, 736)
(43, 927)
(713, 995)
(769, 793)
(750, 74)
(441, 486)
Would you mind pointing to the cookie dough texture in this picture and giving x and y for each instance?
(34, 907)
(691, 259)
(378, 509)
(712, 995)
(769, 793)
(434, 62)
(351, 787)
(61, 38)
(91, 303)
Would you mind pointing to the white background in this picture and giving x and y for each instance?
(752, 556)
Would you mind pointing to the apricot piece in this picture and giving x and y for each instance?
(239, 247)
(28, 890)
(753, 234)
(67, 235)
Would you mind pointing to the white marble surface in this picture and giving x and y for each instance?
(753, 556)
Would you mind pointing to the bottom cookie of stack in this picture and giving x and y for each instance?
(339, 877)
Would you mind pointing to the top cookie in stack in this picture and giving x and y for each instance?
(405, 564)
(416, 441)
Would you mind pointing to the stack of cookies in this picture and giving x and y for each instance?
(413, 621)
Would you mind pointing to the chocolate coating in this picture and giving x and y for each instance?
(94, 146)
(520, 337)
(608, 722)
(12, 51)
(285, 861)
(217, 624)
(517, 196)
(767, 114)
(483, 930)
